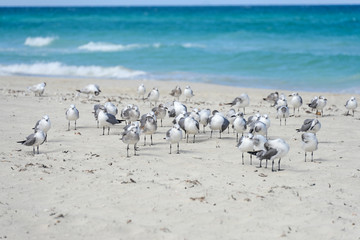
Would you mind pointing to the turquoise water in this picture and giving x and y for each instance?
(294, 48)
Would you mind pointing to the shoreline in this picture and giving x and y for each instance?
(81, 185)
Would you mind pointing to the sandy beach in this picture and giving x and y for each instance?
(82, 185)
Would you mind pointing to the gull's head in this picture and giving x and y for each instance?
(46, 118)
(353, 98)
(239, 114)
(72, 106)
(187, 87)
(177, 126)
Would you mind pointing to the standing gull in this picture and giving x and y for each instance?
(239, 124)
(106, 119)
(96, 113)
(160, 112)
(176, 92)
(309, 144)
(191, 127)
(310, 125)
(296, 101)
(351, 104)
(130, 113)
(188, 92)
(274, 149)
(218, 122)
(111, 108)
(246, 144)
(174, 135)
(258, 128)
(72, 114)
(43, 124)
(148, 126)
(272, 98)
(281, 100)
(130, 136)
(318, 104)
(153, 96)
(38, 89)
(204, 117)
(230, 116)
(141, 91)
(240, 102)
(283, 112)
(34, 140)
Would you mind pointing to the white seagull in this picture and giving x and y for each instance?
(106, 119)
(239, 124)
(218, 122)
(240, 102)
(160, 112)
(296, 101)
(72, 114)
(38, 89)
(272, 98)
(274, 149)
(351, 104)
(148, 126)
(34, 140)
(43, 124)
(141, 91)
(188, 92)
(246, 144)
(111, 108)
(318, 104)
(174, 135)
(310, 125)
(204, 117)
(309, 144)
(130, 136)
(96, 113)
(153, 96)
(92, 89)
(283, 112)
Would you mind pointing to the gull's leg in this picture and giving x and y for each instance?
(178, 148)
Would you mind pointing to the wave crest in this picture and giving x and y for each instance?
(60, 69)
(39, 41)
(108, 47)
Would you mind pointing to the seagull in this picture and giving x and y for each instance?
(281, 100)
(318, 104)
(111, 108)
(296, 101)
(258, 128)
(141, 91)
(43, 124)
(176, 92)
(240, 102)
(309, 144)
(266, 120)
(274, 149)
(252, 119)
(130, 136)
(310, 125)
(38, 89)
(204, 117)
(188, 92)
(153, 96)
(259, 143)
(130, 113)
(106, 119)
(148, 126)
(72, 114)
(283, 112)
(230, 116)
(272, 98)
(239, 124)
(351, 104)
(90, 89)
(160, 112)
(246, 144)
(191, 127)
(218, 122)
(174, 135)
(34, 140)
(96, 113)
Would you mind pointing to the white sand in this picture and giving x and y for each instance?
(82, 186)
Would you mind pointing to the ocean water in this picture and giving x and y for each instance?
(312, 48)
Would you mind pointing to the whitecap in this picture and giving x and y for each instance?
(192, 45)
(39, 41)
(60, 69)
(108, 47)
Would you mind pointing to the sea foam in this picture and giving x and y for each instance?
(60, 69)
(108, 47)
(39, 41)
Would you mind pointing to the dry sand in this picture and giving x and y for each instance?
(82, 186)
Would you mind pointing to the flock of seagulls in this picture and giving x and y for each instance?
(253, 130)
